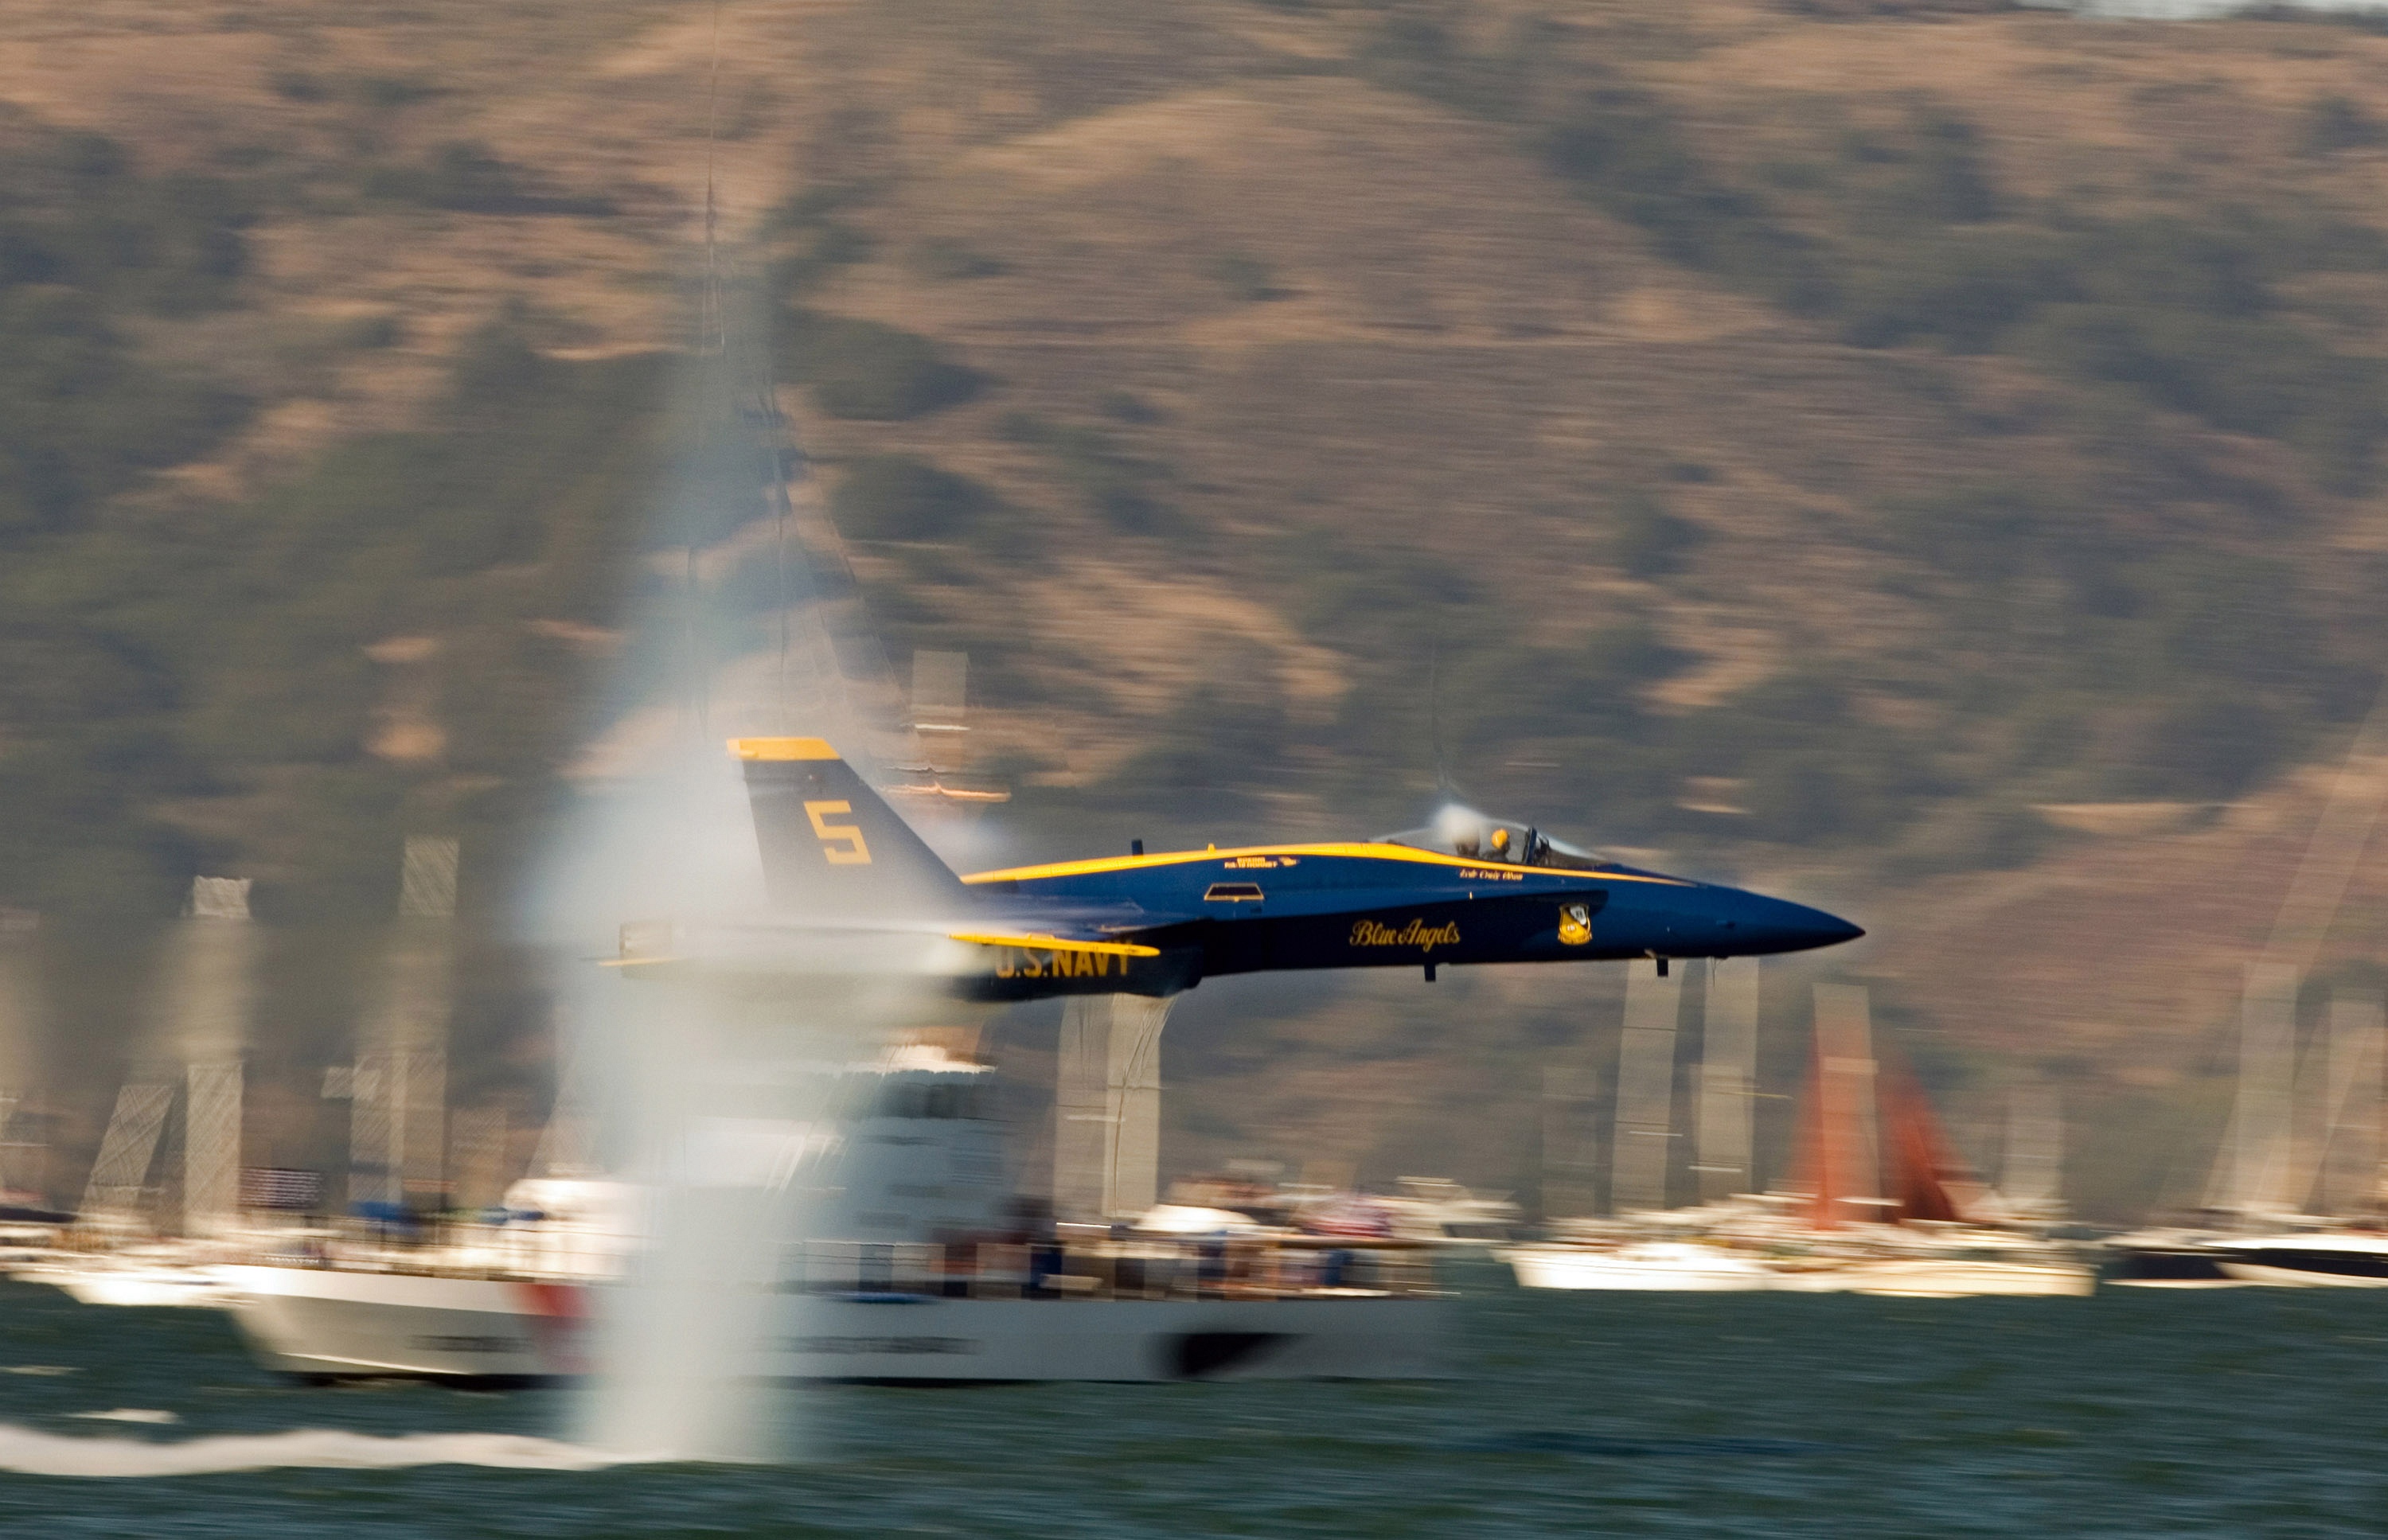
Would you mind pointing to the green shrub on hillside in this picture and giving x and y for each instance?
(1624, 152)
(2179, 672)
(1646, 538)
(466, 177)
(186, 656)
(522, 445)
(82, 417)
(871, 371)
(820, 247)
(2209, 744)
(1967, 290)
(1244, 276)
(74, 212)
(1120, 487)
(1910, 239)
(1947, 180)
(1414, 51)
(903, 497)
(81, 237)
(1216, 756)
(945, 260)
(2334, 123)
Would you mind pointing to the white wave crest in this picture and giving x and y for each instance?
(27, 1452)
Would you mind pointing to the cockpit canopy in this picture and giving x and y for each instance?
(1462, 831)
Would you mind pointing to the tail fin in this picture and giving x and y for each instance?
(831, 844)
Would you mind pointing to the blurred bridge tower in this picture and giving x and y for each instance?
(23, 1035)
(1646, 1090)
(476, 1154)
(199, 1036)
(1107, 1107)
(2260, 1149)
(934, 786)
(209, 978)
(2031, 1170)
(397, 1109)
(1728, 1078)
(119, 1190)
(1571, 1088)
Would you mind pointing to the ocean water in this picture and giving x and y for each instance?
(2140, 1412)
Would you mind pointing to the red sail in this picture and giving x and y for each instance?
(1921, 1164)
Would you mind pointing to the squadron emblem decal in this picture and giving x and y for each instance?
(1575, 923)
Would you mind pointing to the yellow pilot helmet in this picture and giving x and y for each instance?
(1500, 841)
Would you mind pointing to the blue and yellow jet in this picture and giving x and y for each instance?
(1469, 891)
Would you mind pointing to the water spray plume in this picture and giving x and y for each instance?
(706, 1080)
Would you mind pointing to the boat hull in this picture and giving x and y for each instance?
(328, 1324)
(2304, 1267)
(2168, 1267)
(149, 1288)
(1577, 1268)
(1661, 1270)
(1938, 1278)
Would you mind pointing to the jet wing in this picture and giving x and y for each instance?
(1101, 931)
(1116, 931)
(1033, 941)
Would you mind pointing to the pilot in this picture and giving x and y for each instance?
(1500, 843)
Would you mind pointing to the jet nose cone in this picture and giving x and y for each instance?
(1769, 924)
(1805, 930)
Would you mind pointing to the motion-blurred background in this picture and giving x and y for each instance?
(1924, 459)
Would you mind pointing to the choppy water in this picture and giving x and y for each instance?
(2248, 1412)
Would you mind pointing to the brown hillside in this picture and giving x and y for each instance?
(1328, 323)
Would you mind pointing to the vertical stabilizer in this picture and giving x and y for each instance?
(831, 845)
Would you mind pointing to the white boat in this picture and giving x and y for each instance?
(927, 1293)
(148, 1276)
(1653, 1264)
(335, 1324)
(2167, 1258)
(1955, 1272)
(2323, 1257)
(1951, 1277)
(164, 1284)
(2327, 1259)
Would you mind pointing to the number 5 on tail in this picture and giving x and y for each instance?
(841, 843)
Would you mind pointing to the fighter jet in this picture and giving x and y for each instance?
(1468, 890)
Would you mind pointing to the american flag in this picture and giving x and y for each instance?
(280, 1186)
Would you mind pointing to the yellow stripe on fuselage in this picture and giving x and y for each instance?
(1050, 943)
(1363, 851)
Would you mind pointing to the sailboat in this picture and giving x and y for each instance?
(1883, 1204)
(2297, 1200)
(2294, 1197)
(1878, 1203)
